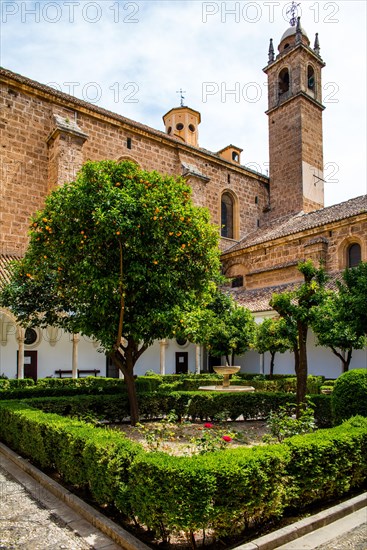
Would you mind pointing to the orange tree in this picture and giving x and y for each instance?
(298, 309)
(114, 255)
(275, 335)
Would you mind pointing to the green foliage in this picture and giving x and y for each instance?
(349, 397)
(114, 212)
(213, 438)
(15, 384)
(282, 383)
(327, 463)
(334, 329)
(298, 308)
(90, 458)
(194, 405)
(352, 293)
(91, 385)
(225, 328)
(283, 422)
(115, 255)
(164, 430)
(225, 493)
(275, 335)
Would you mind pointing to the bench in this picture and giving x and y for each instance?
(95, 372)
(68, 373)
(62, 372)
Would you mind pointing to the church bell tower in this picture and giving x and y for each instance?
(295, 124)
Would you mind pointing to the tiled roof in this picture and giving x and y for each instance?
(257, 300)
(301, 222)
(5, 260)
(105, 112)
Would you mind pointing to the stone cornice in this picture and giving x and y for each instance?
(289, 52)
(35, 88)
(293, 97)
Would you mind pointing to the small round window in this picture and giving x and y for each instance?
(30, 336)
(179, 126)
(191, 128)
(181, 341)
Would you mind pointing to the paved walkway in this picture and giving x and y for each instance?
(26, 523)
(348, 533)
(31, 518)
(36, 513)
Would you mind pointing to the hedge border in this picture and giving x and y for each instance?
(223, 492)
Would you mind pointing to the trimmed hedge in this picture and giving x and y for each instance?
(328, 463)
(279, 383)
(197, 405)
(223, 491)
(88, 458)
(14, 384)
(349, 397)
(90, 385)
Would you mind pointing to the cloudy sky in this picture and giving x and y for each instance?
(133, 56)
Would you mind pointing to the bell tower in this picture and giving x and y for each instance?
(295, 124)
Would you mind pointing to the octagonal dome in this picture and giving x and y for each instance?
(291, 31)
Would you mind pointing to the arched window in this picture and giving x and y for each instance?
(354, 255)
(310, 78)
(237, 282)
(283, 81)
(227, 208)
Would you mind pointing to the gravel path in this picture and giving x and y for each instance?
(26, 524)
(354, 540)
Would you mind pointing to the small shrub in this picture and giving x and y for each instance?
(283, 423)
(349, 397)
(212, 438)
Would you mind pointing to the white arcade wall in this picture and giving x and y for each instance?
(54, 351)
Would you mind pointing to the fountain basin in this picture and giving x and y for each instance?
(227, 388)
(226, 371)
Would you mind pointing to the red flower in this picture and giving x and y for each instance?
(227, 438)
(208, 425)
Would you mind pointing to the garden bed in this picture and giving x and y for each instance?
(224, 495)
(188, 438)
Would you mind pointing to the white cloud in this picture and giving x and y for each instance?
(171, 47)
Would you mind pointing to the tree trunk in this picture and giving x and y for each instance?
(272, 357)
(126, 366)
(345, 360)
(133, 398)
(301, 369)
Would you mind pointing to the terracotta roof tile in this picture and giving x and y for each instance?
(257, 300)
(301, 222)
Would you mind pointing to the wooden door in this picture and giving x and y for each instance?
(182, 362)
(30, 364)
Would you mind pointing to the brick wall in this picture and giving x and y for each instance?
(36, 156)
(275, 262)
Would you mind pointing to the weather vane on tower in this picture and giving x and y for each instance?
(293, 12)
(181, 92)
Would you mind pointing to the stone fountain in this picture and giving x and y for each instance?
(226, 371)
